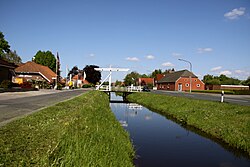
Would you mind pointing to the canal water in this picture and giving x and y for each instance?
(159, 141)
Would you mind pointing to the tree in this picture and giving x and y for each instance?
(74, 71)
(207, 79)
(12, 57)
(246, 82)
(92, 75)
(131, 78)
(46, 59)
(220, 80)
(118, 83)
(144, 76)
(4, 46)
(155, 72)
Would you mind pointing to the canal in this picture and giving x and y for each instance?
(159, 141)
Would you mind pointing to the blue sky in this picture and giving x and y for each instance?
(141, 35)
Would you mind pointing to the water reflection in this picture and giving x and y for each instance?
(161, 142)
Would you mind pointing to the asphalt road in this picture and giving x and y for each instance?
(235, 99)
(17, 104)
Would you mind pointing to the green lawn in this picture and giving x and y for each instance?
(227, 122)
(79, 132)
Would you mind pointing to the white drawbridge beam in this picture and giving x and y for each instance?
(110, 73)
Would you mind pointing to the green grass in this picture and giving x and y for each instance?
(80, 132)
(227, 122)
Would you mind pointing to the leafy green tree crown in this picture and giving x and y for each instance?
(220, 80)
(92, 75)
(46, 59)
(4, 46)
(12, 57)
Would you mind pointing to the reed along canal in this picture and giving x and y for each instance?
(161, 142)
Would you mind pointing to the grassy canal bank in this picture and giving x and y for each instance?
(80, 132)
(227, 122)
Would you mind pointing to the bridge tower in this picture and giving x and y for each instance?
(110, 73)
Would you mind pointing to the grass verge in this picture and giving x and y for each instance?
(227, 122)
(80, 132)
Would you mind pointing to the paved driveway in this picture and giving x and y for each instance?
(16, 104)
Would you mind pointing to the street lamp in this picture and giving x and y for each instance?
(190, 78)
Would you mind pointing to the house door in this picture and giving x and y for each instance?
(179, 87)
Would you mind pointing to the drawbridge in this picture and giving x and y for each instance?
(125, 91)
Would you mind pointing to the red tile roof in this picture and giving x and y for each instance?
(174, 76)
(146, 80)
(159, 76)
(32, 67)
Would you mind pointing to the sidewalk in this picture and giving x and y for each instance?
(15, 95)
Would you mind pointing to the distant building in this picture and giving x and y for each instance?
(179, 81)
(145, 81)
(33, 71)
(227, 87)
(6, 70)
(79, 80)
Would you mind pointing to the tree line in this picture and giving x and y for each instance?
(224, 80)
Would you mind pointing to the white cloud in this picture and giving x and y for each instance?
(226, 72)
(216, 68)
(235, 13)
(239, 71)
(132, 59)
(150, 57)
(91, 55)
(176, 54)
(167, 64)
(204, 50)
(242, 74)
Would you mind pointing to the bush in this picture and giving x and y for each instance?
(6, 84)
(86, 86)
(59, 86)
(242, 92)
(15, 85)
(26, 85)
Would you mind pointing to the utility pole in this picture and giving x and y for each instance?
(190, 77)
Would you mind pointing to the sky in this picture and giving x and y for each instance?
(142, 35)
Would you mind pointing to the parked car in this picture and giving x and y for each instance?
(145, 89)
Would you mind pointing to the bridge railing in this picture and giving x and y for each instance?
(121, 89)
(134, 88)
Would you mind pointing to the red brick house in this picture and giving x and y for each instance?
(33, 71)
(179, 81)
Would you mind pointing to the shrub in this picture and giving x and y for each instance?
(242, 92)
(6, 84)
(15, 85)
(59, 86)
(26, 85)
(86, 86)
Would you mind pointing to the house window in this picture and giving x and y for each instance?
(195, 80)
(187, 85)
(198, 85)
(185, 80)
